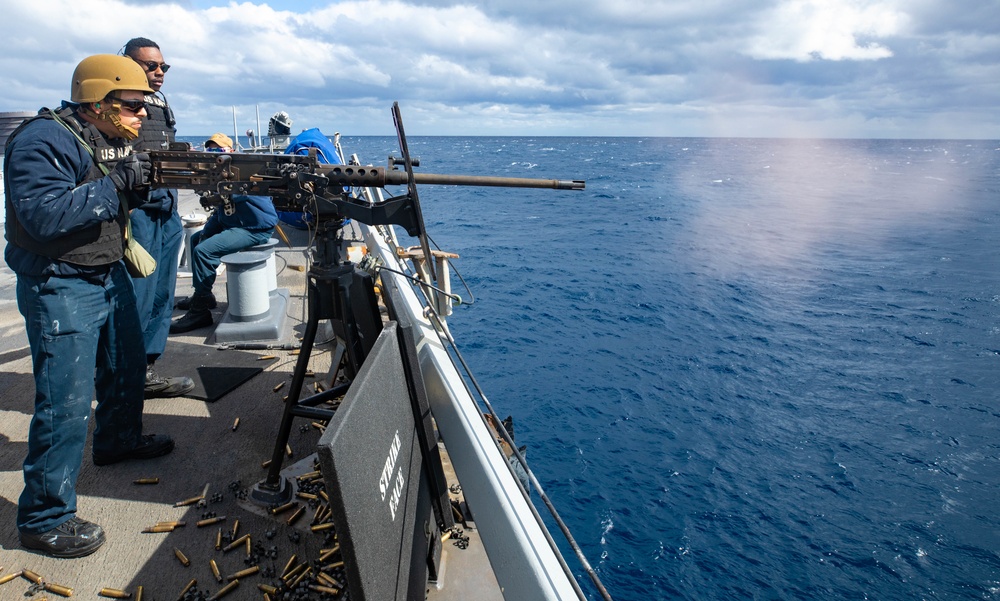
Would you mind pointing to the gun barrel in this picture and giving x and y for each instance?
(356, 175)
(487, 180)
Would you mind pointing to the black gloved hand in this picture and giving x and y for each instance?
(132, 172)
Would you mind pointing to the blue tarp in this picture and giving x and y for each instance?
(314, 138)
(326, 153)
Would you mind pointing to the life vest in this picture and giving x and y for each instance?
(158, 128)
(100, 244)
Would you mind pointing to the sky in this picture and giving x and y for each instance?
(718, 68)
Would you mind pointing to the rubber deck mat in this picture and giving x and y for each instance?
(215, 373)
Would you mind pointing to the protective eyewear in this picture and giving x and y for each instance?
(151, 66)
(133, 105)
(214, 149)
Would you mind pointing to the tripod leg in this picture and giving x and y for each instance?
(272, 490)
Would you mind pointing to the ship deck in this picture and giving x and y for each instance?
(213, 458)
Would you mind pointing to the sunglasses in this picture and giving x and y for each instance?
(151, 66)
(133, 105)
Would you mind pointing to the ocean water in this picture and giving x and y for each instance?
(744, 369)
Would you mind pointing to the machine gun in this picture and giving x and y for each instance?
(301, 183)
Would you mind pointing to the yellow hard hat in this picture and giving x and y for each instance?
(99, 75)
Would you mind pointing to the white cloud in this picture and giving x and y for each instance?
(805, 30)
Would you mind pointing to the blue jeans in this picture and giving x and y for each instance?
(211, 244)
(83, 333)
(161, 234)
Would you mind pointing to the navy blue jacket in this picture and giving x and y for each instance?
(43, 164)
(253, 213)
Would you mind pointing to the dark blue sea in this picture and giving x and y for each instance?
(743, 368)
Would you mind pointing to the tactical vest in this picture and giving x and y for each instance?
(100, 244)
(158, 128)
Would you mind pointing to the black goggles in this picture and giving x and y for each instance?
(151, 66)
(133, 105)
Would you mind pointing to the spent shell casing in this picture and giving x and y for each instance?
(294, 572)
(320, 514)
(249, 549)
(189, 586)
(267, 588)
(175, 523)
(222, 592)
(278, 386)
(62, 591)
(321, 527)
(218, 540)
(288, 566)
(29, 575)
(146, 481)
(288, 449)
(326, 555)
(190, 501)
(9, 577)
(215, 570)
(265, 463)
(114, 593)
(267, 357)
(158, 528)
(319, 588)
(267, 597)
(284, 508)
(236, 528)
(236, 543)
(306, 495)
(210, 521)
(334, 565)
(181, 557)
(305, 573)
(325, 496)
(296, 515)
(138, 593)
(309, 475)
(236, 424)
(243, 573)
(327, 580)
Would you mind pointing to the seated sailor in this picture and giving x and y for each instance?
(244, 223)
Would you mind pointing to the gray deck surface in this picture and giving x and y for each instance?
(208, 454)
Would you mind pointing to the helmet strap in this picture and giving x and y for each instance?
(112, 113)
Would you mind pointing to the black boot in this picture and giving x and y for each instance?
(198, 316)
(159, 387)
(185, 303)
(72, 538)
(149, 446)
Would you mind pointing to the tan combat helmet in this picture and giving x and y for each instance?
(99, 75)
